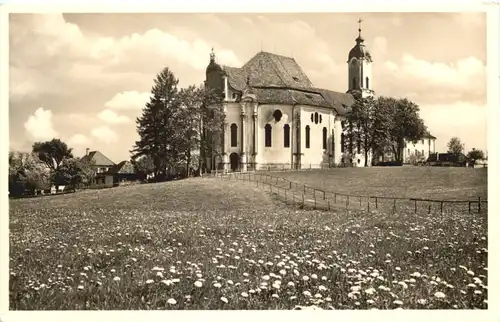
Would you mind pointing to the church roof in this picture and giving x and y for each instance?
(277, 79)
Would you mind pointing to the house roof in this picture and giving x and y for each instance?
(124, 167)
(428, 135)
(277, 79)
(98, 159)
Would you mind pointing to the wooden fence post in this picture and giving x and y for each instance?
(394, 205)
(334, 197)
(328, 205)
(324, 196)
(478, 204)
(376, 203)
(368, 204)
(304, 189)
(469, 207)
(441, 207)
(415, 205)
(429, 207)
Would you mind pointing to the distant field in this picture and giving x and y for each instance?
(220, 244)
(406, 182)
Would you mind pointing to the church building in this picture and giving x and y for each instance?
(276, 118)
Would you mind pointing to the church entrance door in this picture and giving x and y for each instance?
(233, 159)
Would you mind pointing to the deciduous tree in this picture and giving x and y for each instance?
(475, 155)
(455, 146)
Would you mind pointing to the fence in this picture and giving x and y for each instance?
(306, 196)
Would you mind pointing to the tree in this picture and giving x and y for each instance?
(72, 172)
(143, 166)
(157, 125)
(52, 153)
(405, 124)
(475, 155)
(201, 124)
(368, 125)
(27, 172)
(455, 146)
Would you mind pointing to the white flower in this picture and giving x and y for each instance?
(370, 291)
(149, 281)
(306, 293)
(471, 273)
(116, 279)
(244, 294)
(291, 284)
(80, 287)
(398, 302)
(217, 285)
(305, 278)
(314, 276)
(198, 284)
(167, 282)
(439, 295)
(265, 277)
(171, 301)
(223, 299)
(422, 301)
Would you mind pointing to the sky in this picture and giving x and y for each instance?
(84, 78)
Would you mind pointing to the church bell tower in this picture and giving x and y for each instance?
(360, 68)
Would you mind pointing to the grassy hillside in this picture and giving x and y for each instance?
(215, 244)
(408, 182)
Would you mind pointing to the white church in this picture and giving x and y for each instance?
(276, 118)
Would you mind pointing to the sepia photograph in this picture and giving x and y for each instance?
(247, 161)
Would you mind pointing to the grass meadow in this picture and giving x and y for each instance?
(206, 243)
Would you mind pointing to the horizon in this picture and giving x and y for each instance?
(84, 78)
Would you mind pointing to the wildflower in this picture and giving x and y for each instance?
(370, 291)
(314, 276)
(171, 301)
(282, 272)
(80, 287)
(306, 293)
(150, 282)
(471, 273)
(416, 274)
(422, 301)
(265, 277)
(322, 288)
(291, 284)
(478, 292)
(217, 285)
(223, 299)
(305, 278)
(166, 282)
(398, 302)
(397, 268)
(159, 274)
(370, 301)
(116, 279)
(439, 295)
(198, 284)
(244, 294)
(275, 296)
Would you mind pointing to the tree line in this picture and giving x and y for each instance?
(50, 163)
(179, 128)
(385, 124)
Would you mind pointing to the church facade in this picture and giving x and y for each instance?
(277, 119)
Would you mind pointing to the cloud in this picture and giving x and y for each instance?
(128, 100)
(104, 134)
(379, 47)
(110, 116)
(39, 125)
(463, 119)
(434, 82)
(78, 139)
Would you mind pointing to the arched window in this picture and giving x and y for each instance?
(308, 137)
(320, 118)
(234, 135)
(367, 83)
(316, 118)
(286, 136)
(342, 143)
(267, 129)
(312, 117)
(325, 132)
